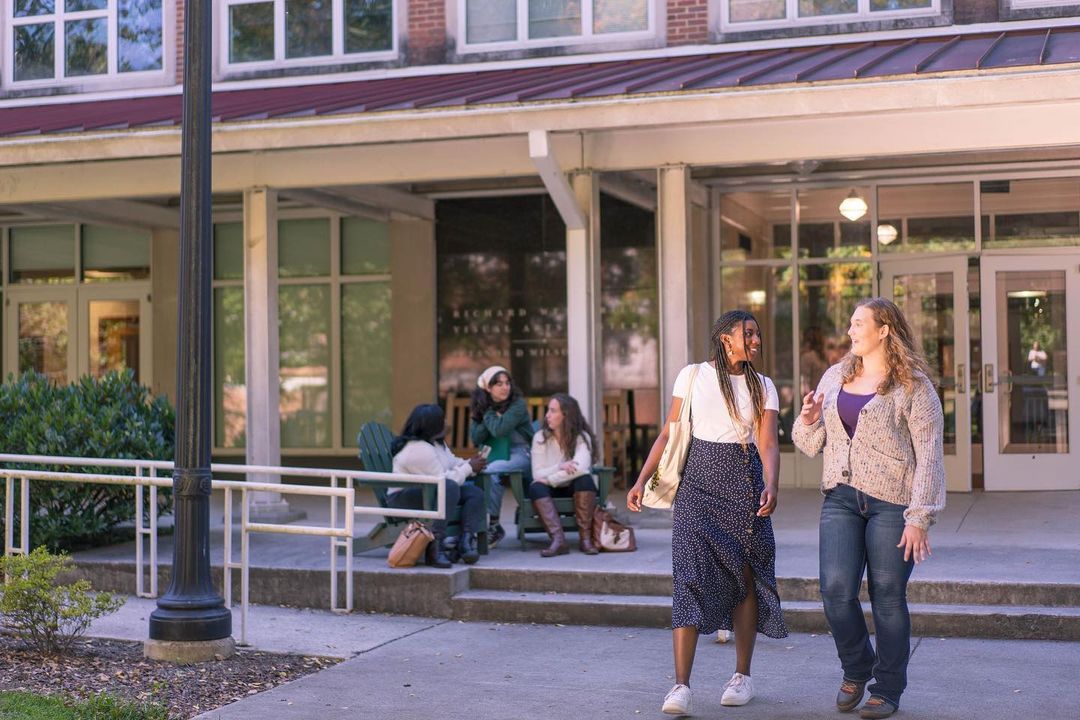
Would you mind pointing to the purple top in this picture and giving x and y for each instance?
(848, 406)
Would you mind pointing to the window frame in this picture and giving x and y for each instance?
(587, 38)
(337, 54)
(112, 77)
(861, 16)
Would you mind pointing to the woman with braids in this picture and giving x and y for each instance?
(562, 458)
(500, 420)
(878, 418)
(722, 548)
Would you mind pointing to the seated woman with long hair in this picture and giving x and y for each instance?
(421, 450)
(562, 457)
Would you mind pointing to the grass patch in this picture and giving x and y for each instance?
(24, 706)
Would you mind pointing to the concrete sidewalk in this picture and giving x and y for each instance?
(406, 668)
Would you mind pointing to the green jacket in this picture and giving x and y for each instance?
(515, 419)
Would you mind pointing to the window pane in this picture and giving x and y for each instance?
(613, 16)
(833, 222)
(756, 10)
(43, 339)
(878, 5)
(114, 253)
(365, 247)
(304, 374)
(926, 218)
(230, 390)
(228, 251)
(114, 336)
(827, 297)
(766, 292)
(554, 18)
(87, 47)
(813, 8)
(755, 226)
(80, 5)
(303, 247)
(490, 20)
(307, 28)
(1031, 213)
(368, 25)
(34, 52)
(366, 357)
(139, 33)
(43, 254)
(251, 32)
(26, 8)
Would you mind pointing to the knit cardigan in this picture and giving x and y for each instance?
(896, 454)
(548, 457)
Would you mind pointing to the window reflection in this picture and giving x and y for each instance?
(1030, 213)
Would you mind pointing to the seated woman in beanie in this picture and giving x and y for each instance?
(500, 420)
(562, 457)
(421, 450)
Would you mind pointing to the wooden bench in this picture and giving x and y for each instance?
(374, 441)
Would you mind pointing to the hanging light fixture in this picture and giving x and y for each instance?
(886, 233)
(853, 207)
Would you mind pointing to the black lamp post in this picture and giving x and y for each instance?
(191, 611)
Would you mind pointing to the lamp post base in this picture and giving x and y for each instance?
(188, 652)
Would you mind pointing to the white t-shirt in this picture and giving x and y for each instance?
(711, 419)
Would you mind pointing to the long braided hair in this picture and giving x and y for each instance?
(733, 322)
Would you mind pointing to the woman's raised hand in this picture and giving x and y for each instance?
(811, 408)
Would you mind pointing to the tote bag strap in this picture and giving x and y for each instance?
(684, 411)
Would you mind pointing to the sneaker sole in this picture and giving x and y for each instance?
(672, 710)
(735, 703)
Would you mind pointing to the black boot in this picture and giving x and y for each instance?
(435, 555)
(467, 546)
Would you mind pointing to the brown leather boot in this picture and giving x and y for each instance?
(584, 505)
(545, 508)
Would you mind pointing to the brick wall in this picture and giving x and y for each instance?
(967, 12)
(687, 22)
(425, 40)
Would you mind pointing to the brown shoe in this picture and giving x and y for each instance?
(545, 508)
(850, 695)
(584, 506)
(876, 708)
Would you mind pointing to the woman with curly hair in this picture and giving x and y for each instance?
(500, 420)
(878, 418)
(562, 457)
(723, 553)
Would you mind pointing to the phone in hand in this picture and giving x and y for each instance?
(485, 451)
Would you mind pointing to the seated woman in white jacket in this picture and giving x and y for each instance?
(421, 450)
(562, 457)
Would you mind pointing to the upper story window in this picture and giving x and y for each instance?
(53, 40)
(263, 34)
(737, 15)
(511, 24)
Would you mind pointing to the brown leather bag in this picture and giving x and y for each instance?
(610, 535)
(410, 545)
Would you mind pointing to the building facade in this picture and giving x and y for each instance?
(408, 191)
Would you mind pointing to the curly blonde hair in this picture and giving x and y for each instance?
(905, 364)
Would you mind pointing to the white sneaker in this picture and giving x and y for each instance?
(722, 636)
(738, 691)
(677, 701)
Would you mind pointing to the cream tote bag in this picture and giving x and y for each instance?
(661, 488)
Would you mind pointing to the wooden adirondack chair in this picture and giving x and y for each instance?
(374, 442)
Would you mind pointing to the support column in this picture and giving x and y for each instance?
(673, 237)
(261, 348)
(583, 323)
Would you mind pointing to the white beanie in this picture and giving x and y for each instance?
(486, 377)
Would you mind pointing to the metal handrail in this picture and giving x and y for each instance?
(146, 475)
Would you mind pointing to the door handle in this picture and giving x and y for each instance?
(988, 378)
(961, 383)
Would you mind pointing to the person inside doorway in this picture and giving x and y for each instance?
(1037, 359)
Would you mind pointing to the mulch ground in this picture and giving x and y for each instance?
(118, 667)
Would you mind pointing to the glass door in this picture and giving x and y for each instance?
(933, 297)
(113, 332)
(43, 323)
(1031, 371)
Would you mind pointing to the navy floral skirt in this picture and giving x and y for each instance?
(716, 533)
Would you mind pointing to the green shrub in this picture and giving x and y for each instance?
(46, 614)
(24, 706)
(108, 417)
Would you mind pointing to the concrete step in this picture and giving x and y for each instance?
(790, 588)
(943, 620)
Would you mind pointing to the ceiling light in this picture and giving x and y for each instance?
(853, 207)
(886, 233)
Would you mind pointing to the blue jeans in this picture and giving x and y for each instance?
(858, 531)
(517, 462)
